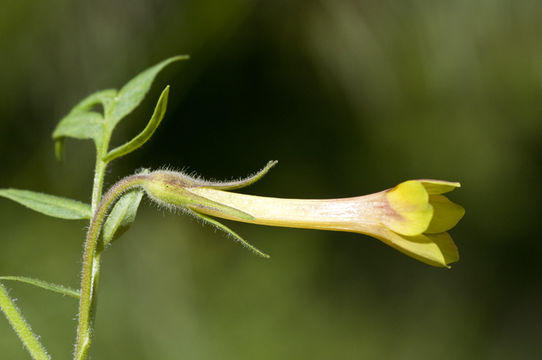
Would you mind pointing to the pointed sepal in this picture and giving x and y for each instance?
(230, 232)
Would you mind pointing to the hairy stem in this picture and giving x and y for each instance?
(97, 188)
(99, 174)
(23, 330)
(90, 273)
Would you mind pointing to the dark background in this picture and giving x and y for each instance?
(352, 97)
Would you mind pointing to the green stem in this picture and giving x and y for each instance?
(90, 273)
(99, 174)
(23, 330)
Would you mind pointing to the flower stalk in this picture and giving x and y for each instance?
(89, 277)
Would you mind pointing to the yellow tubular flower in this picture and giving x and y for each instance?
(412, 217)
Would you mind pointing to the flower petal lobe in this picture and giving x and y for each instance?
(446, 214)
(412, 211)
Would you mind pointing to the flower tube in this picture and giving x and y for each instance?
(412, 217)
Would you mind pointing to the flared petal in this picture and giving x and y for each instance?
(412, 212)
(435, 187)
(433, 249)
(446, 214)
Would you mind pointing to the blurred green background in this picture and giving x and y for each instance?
(352, 97)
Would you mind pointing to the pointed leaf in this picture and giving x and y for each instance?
(232, 233)
(82, 123)
(122, 216)
(20, 326)
(64, 290)
(131, 95)
(142, 137)
(49, 204)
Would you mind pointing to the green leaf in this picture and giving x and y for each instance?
(131, 94)
(122, 216)
(48, 204)
(21, 327)
(145, 135)
(79, 125)
(64, 290)
(227, 230)
(82, 123)
(103, 97)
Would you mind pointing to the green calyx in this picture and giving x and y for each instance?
(169, 188)
(173, 190)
